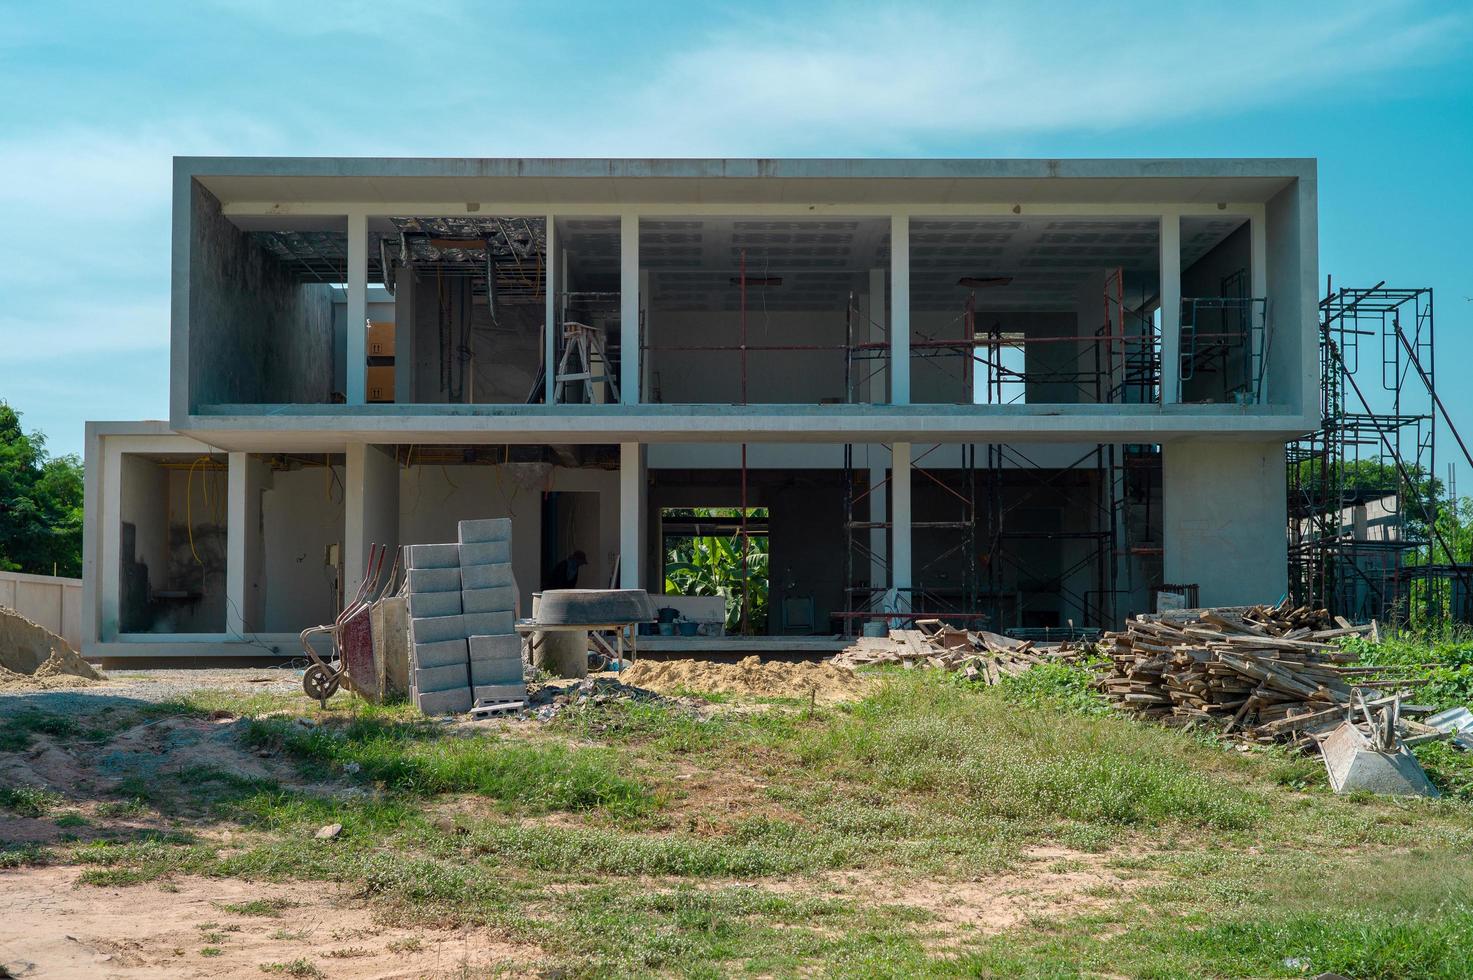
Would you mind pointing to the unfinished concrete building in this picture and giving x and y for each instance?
(1026, 393)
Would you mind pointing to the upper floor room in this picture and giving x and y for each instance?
(341, 289)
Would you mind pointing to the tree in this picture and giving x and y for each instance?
(40, 503)
(711, 565)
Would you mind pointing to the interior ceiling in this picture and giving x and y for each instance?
(820, 262)
(692, 262)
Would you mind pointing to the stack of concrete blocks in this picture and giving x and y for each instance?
(488, 604)
(440, 678)
(462, 607)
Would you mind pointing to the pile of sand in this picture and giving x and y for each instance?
(749, 678)
(33, 656)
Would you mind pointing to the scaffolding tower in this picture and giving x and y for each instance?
(1364, 498)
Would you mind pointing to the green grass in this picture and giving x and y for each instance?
(420, 759)
(269, 908)
(637, 839)
(28, 801)
(296, 968)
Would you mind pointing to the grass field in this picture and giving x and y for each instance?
(935, 828)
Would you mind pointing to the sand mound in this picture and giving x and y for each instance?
(750, 678)
(33, 656)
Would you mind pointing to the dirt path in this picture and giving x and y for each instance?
(52, 928)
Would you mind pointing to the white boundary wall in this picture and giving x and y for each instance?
(55, 603)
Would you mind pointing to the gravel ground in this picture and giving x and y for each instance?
(155, 686)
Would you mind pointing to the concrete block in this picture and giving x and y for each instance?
(441, 678)
(496, 672)
(485, 553)
(434, 579)
(437, 628)
(440, 654)
(487, 624)
(501, 598)
(506, 646)
(433, 556)
(423, 605)
(499, 692)
(454, 701)
(490, 529)
(493, 576)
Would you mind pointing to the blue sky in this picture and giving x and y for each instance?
(98, 97)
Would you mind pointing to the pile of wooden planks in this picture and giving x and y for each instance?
(979, 655)
(1262, 672)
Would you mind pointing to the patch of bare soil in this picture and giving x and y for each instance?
(31, 656)
(1053, 882)
(53, 928)
(750, 677)
(165, 747)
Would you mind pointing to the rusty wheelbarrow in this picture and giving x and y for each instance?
(350, 637)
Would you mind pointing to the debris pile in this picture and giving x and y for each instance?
(33, 656)
(977, 654)
(751, 677)
(552, 700)
(1264, 672)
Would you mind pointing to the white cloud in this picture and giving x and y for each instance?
(849, 80)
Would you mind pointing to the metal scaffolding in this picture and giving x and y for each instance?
(1364, 497)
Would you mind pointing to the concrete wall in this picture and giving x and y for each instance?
(144, 559)
(301, 515)
(256, 336)
(1292, 272)
(47, 600)
(1225, 519)
(506, 352)
(432, 499)
(1204, 278)
(941, 379)
(773, 377)
(806, 555)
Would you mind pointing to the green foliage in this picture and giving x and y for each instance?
(40, 503)
(714, 566)
(1062, 686)
(1443, 656)
(27, 801)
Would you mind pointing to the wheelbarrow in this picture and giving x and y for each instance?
(350, 636)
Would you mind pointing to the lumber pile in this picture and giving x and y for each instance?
(977, 654)
(1263, 672)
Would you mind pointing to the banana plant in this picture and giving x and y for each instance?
(714, 566)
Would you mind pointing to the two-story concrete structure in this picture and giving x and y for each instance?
(1030, 389)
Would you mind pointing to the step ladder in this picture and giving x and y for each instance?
(586, 344)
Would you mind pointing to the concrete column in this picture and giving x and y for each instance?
(900, 556)
(1170, 309)
(370, 510)
(632, 516)
(900, 309)
(629, 352)
(1224, 515)
(237, 537)
(549, 331)
(646, 384)
(357, 367)
(878, 314)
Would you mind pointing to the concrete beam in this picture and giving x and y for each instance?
(632, 517)
(357, 313)
(900, 309)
